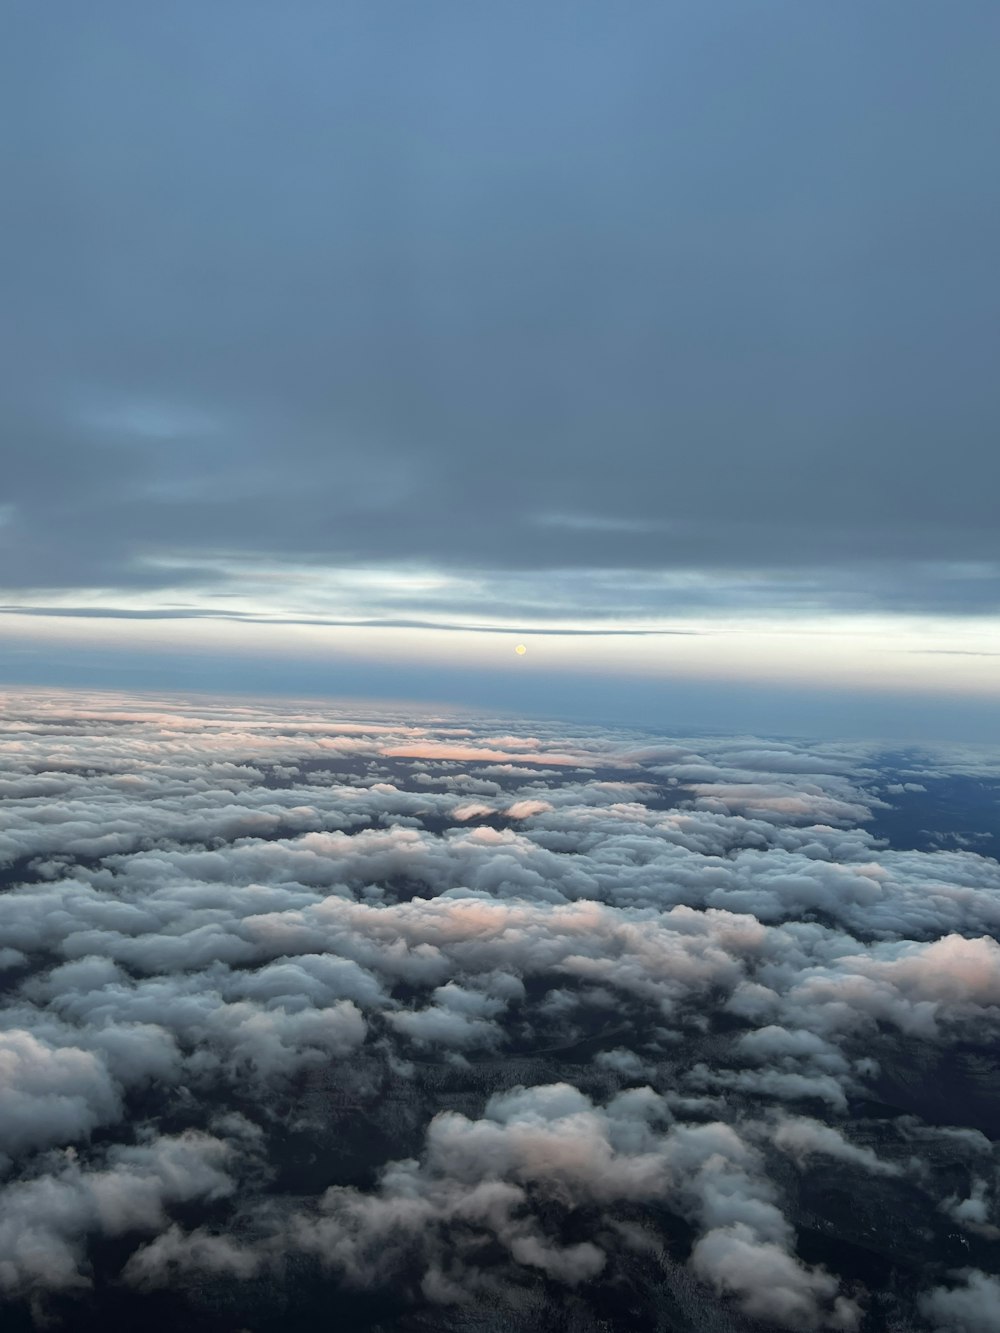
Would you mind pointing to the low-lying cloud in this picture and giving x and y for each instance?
(430, 1013)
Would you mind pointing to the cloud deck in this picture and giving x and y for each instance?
(440, 1022)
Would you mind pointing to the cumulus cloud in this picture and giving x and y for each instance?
(971, 1306)
(802, 1138)
(51, 1094)
(46, 1219)
(770, 1284)
(449, 1013)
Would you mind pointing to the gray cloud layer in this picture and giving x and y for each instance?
(378, 283)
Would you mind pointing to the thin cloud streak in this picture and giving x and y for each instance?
(166, 613)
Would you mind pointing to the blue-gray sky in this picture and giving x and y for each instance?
(666, 316)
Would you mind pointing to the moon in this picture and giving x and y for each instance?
(520, 650)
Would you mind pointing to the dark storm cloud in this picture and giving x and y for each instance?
(550, 975)
(502, 288)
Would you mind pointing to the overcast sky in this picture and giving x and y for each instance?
(522, 317)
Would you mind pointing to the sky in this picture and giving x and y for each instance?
(348, 346)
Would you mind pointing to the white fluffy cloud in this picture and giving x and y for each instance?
(46, 1220)
(970, 1306)
(442, 956)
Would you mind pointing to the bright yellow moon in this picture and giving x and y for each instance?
(520, 650)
